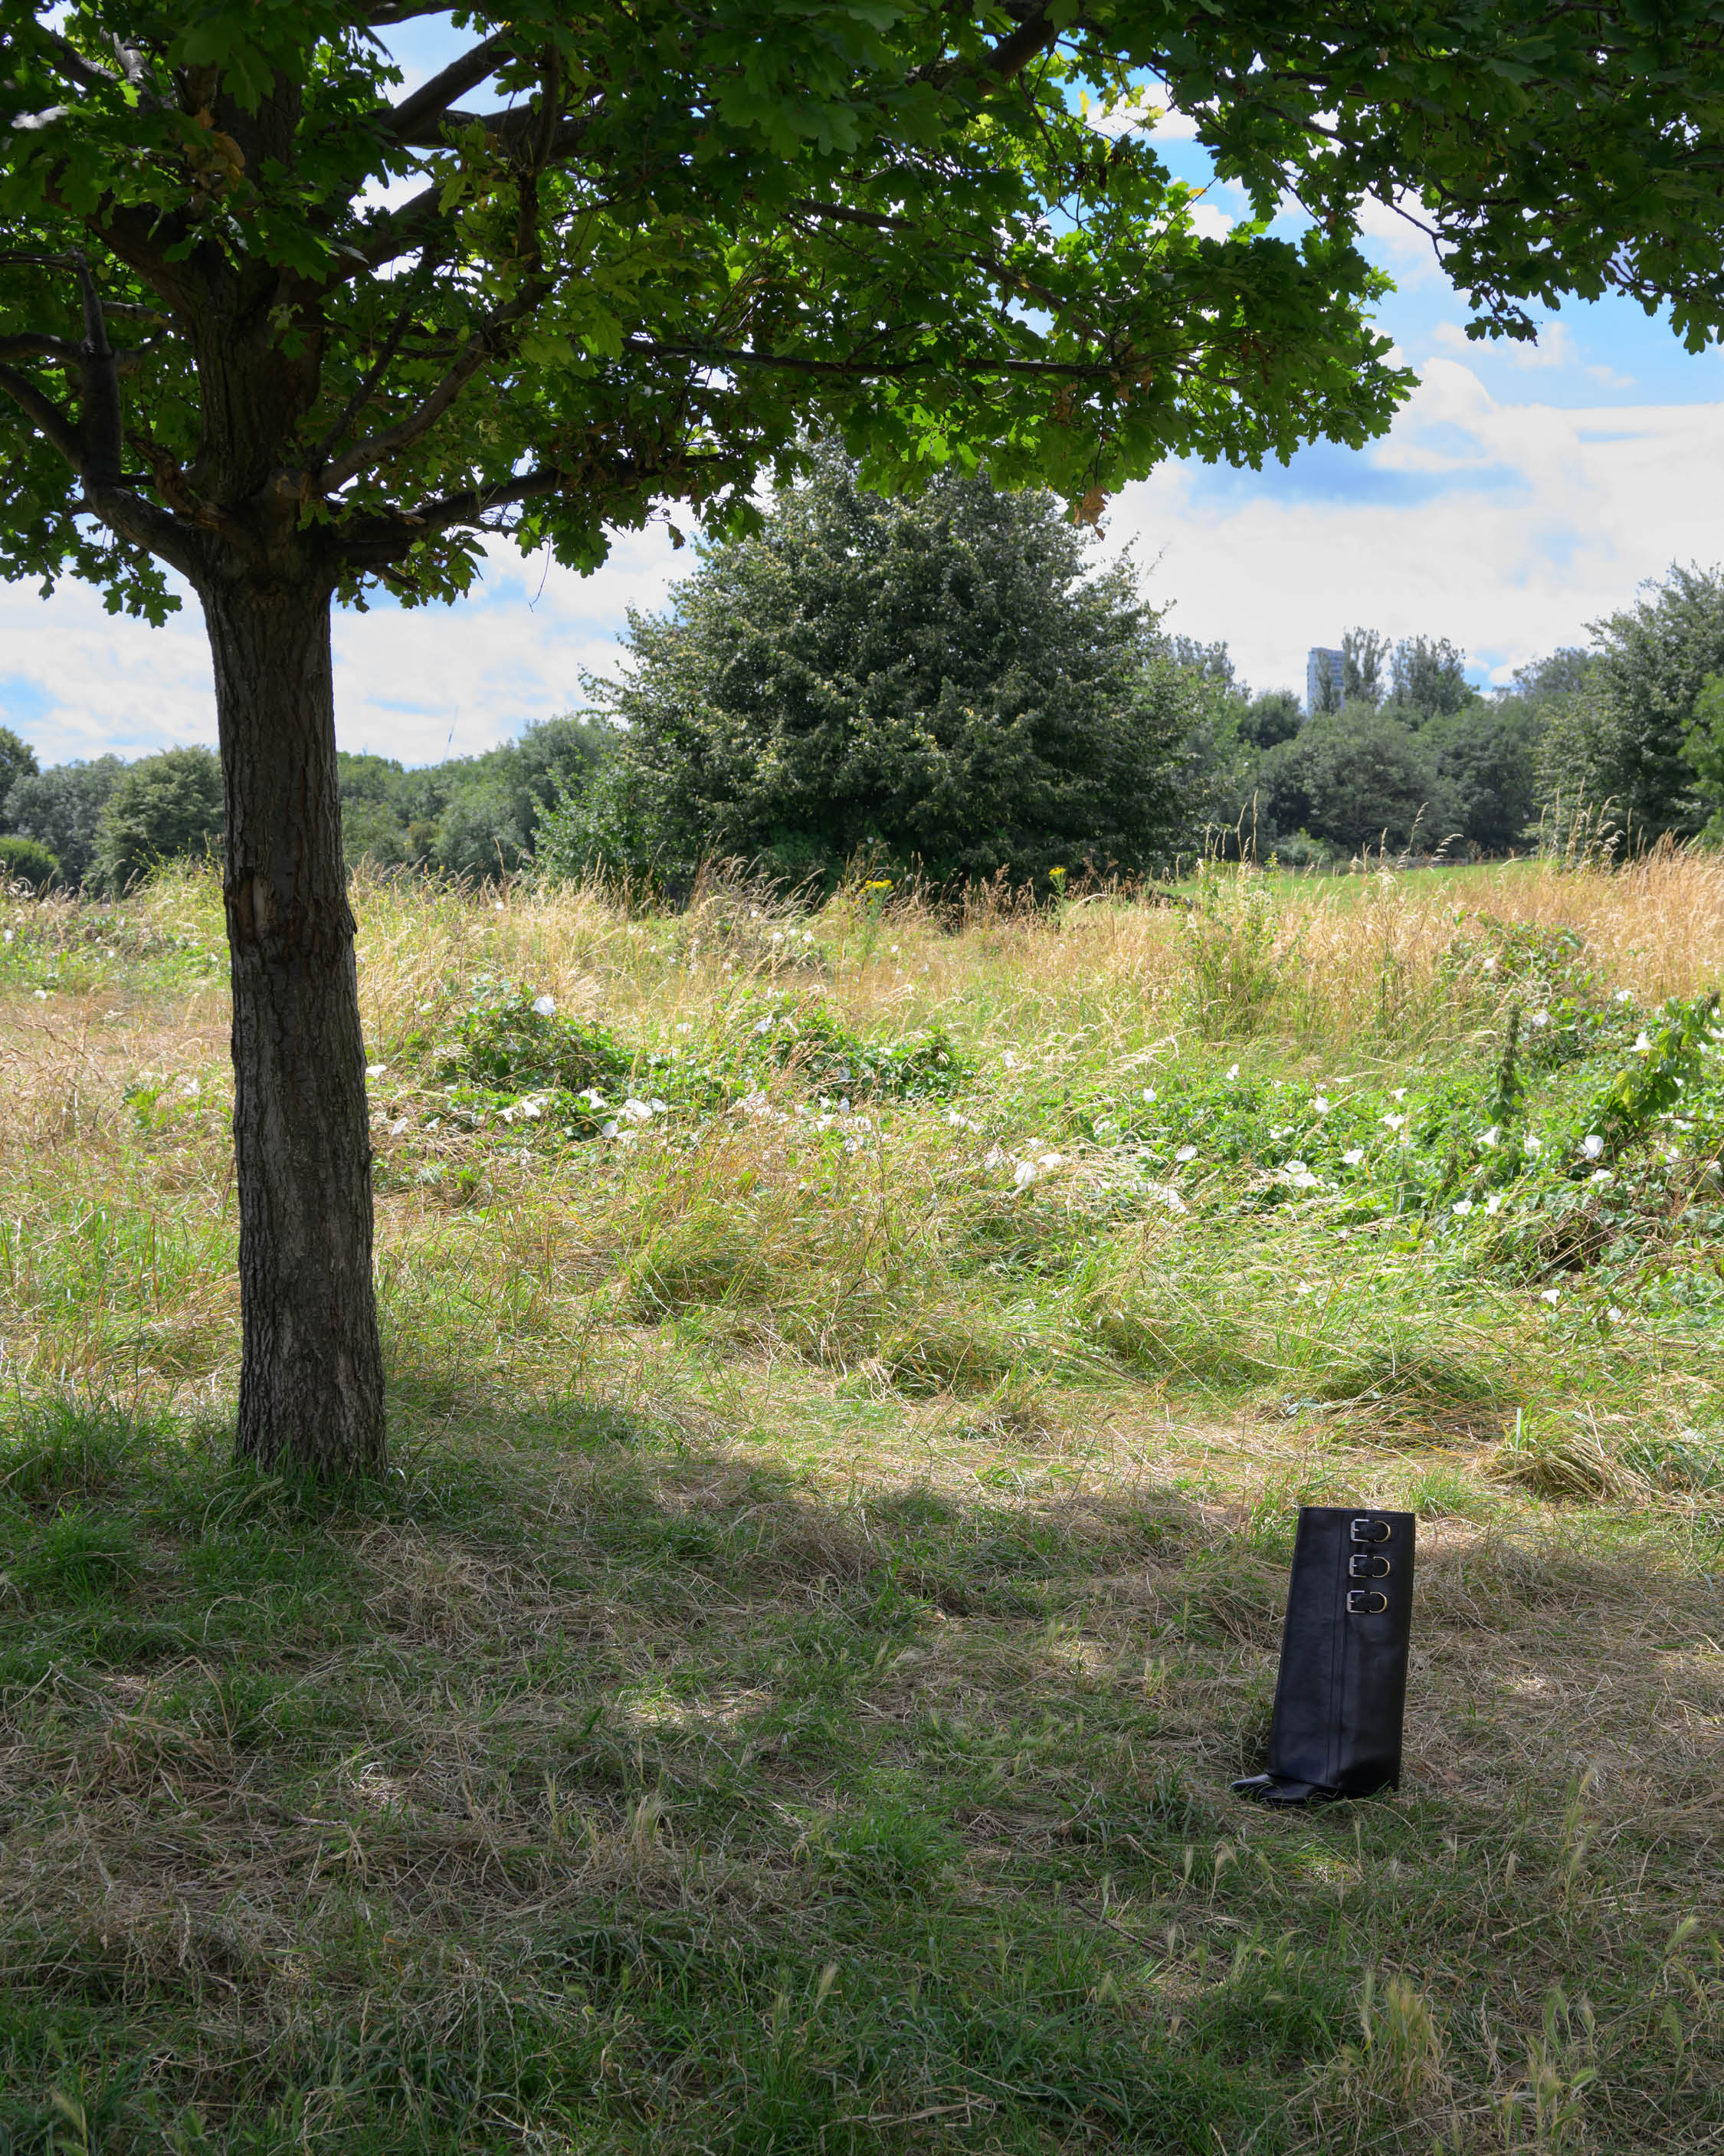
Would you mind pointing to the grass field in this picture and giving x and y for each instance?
(853, 1378)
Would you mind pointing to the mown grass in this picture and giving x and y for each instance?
(783, 1699)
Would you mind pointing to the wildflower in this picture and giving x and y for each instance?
(8, 935)
(1049, 1161)
(609, 1130)
(1353, 1156)
(1322, 1105)
(1614, 1315)
(1592, 1145)
(1303, 1288)
(684, 1027)
(532, 1110)
(497, 906)
(961, 1122)
(42, 995)
(1642, 1046)
(1023, 1174)
(1105, 1126)
(894, 953)
(1233, 1071)
(1490, 965)
(1297, 1168)
(659, 1107)
(1493, 1204)
(592, 1097)
(993, 1158)
(1149, 1092)
(1462, 1208)
(1541, 1018)
(777, 935)
(1550, 1295)
(546, 1006)
(1399, 1093)
(1009, 1059)
(1186, 1152)
(397, 1127)
(1393, 1122)
(1301, 1177)
(1489, 1137)
(1622, 995)
(1532, 1143)
(765, 1024)
(1601, 1175)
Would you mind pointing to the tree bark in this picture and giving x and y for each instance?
(311, 1372)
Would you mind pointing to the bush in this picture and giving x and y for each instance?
(18, 760)
(1356, 778)
(61, 808)
(159, 808)
(937, 682)
(22, 861)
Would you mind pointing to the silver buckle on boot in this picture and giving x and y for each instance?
(1362, 1565)
(1371, 1530)
(1366, 1602)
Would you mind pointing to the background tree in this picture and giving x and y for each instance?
(1363, 653)
(18, 760)
(665, 244)
(1353, 778)
(22, 861)
(159, 809)
(61, 808)
(935, 682)
(1428, 676)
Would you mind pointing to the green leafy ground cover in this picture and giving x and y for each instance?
(784, 1698)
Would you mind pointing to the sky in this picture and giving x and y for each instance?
(1523, 492)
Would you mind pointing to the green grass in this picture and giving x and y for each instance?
(784, 1697)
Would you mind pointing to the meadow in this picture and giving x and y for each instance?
(853, 1370)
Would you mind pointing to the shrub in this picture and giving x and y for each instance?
(22, 861)
(61, 808)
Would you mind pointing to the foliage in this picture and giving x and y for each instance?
(157, 809)
(1705, 752)
(61, 808)
(1356, 778)
(936, 683)
(1363, 653)
(830, 1058)
(509, 1043)
(1484, 759)
(22, 861)
(1428, 676)
(18, 760)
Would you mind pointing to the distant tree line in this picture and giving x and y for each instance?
(946, 684)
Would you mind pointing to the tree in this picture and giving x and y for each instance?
(1705, 752)
(1355, 777)
(1484, 759)
(22, 861)
(1275, 715)
(1362, 652)
(671, 244)
(160, 808)
(1429, 676)
(18, 760)
(935, 682)
(1652, 661)
(61, 808)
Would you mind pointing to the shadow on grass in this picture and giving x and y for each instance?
(594, 1785)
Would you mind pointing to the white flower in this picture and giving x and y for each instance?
(765, 1024)
(777, 935)
(961, 1122)
(592, 1097)
(684, 1027)
(1322, 1104)
(497, 908)
(1642, 1046)
(893, 952)
(636, 1112)
(42, 995)
(1353, 1156)
(1303, 1288)
(1009, 1059)
(1149, 1092)
(1549, 1294)
(1393, 1122)
(1463, 1208)
(1105, 1125)
(546, 1006)
(192, 1086)
(754, 1104)
(1600, 1175)
(1297, 1168)
(1234, 1070)
(1489, 1137)
(532, 1110)
(1399, 1093)
(374, 1069)
(1623, 996)
(397, 1128)
(1541, 1018)
(1493, 1204)
(1592, 1145)
(1614, 1315)
(1532, 1143)
(1049, 1161)
(609, 1130)
(1186, 1152)
(658, 1107)
(1490, 965)
(8, 935)
(1023, 1174)
(993, 1158)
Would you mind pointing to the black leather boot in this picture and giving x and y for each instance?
(1342, 1687)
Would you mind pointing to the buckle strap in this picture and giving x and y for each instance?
(1362, 1565)
(1371, 1530)
(1366, 1602)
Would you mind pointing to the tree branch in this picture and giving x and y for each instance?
(406, 432)
(87, 74)
(154, 530)
(44, 415)
(383, 539)
(363, 394)
(39, 347)
(425, 109)
(102, 427)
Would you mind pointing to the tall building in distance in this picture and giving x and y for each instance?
(1321, 665)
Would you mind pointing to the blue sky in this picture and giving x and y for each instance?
(1522, 492)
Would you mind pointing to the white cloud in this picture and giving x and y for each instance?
(1516, 524)
(1166, 123)
(1210, 222)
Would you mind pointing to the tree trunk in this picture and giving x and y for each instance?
(311, 1372)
